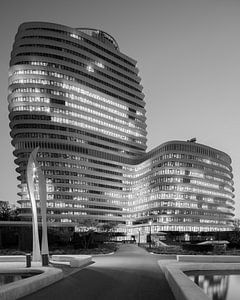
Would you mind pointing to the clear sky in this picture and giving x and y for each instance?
(188, 54)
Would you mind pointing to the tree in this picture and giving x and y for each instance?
(8, 213)
(14, 214)
(108, 228)
(59, 236)
(234, 236)
(86, 229)
(5, 212)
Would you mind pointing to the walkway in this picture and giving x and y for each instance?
(130, 274)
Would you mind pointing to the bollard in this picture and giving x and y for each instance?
(45, 260)
(28, 260)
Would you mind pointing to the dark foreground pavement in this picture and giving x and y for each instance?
(130, 274)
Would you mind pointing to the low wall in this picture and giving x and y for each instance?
(20, 288)
(182, 287)
(208, 258)
(75, 261)
(12, 258)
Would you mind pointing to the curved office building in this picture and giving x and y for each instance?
(73, 94)
(183, 186)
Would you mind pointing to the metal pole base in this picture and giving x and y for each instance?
(45, 260)
(28, 260)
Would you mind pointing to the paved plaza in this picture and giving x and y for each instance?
(130, 273)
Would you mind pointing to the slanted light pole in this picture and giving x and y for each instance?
(34, 173)
(43, 204)
(31, 176)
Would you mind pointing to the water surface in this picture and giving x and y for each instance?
(6, 278)
(218, 285)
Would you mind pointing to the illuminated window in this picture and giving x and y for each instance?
(99, 64)
(90, 68)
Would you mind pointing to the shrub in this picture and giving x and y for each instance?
(198, 248)
(11, 252)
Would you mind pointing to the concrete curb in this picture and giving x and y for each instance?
(208, 258)
(103, 254)
(165, 256)
(182, 287)
(75, 261)
(12, 258)
(27, 286)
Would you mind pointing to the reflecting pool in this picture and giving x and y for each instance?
(218, 285)
(6, 278)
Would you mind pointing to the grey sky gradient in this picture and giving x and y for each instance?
(188, 53)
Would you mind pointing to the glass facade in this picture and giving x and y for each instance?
(77, 97)
(182, 186)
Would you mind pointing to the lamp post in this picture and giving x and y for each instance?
(218, 233)
(150, 234)
(138, 237)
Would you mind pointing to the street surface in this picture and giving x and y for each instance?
(130, 274)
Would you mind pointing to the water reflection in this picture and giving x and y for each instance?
(215, 286)
(8, 278)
